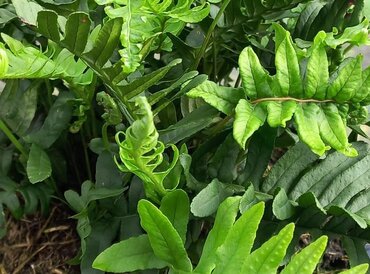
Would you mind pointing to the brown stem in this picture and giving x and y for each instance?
(284, 99)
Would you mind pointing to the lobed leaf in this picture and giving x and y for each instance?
(224, 221)
(248, 119)
(267, 258)
(307, 259)
(224, 99)
(239, 241)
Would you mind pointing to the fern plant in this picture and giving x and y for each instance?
(227, 249)
(147, 22)
(301, 88)
(142, 153)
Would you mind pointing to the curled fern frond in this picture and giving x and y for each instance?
(142, 154)
(302, 89)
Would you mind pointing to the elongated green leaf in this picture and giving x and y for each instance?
(38, 165)
(306, 260)
(282, 207)
(253, 74)
(55, 123)
(225, 163)
(278, 113)
(258, 157)
(76, 32)
(46, 20)
(333, 131)
(336, 185)
(287, 67)
(248, 119)
(140, 85)
(364, 90)
(306, 18)
(164, 239)
(239, 241)
(194, 122)
(359, 269)
(348, 81)
(208, 200)
(306, 118)
(105, 43)
(292, 163)
(224, 99)
(129, 255)
(224, 221)
(175, 205)
(267, 258)
(317, 73)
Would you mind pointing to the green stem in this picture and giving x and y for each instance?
(13, 139)
(284, 99)
(209, 34)
(86, 156)
(104, 132)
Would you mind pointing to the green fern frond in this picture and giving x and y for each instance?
(142, 154)
(144, 21)
(319, 103)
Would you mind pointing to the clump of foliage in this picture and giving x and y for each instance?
(190, 136)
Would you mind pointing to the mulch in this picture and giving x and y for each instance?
(39, 244)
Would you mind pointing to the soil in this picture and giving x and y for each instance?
(39, 244)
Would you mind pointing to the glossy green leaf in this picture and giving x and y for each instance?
(248, 119)
(254, 76)
(306, 118)
(176, 206)
(224, 99)
(164, 239)
(267, 258)
(76, 32)
(129, 255)
(359, 269)
(333, 131)
(105, 43)
(287, 66)
(278, 113)
(139, 85)
(317, 73)
(239, 241)
(348, 81)
(307, 259)
(224, 221)
(38, 165)
(364, 90)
